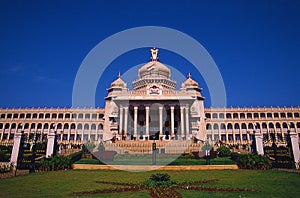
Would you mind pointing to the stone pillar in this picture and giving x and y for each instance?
(50, 143)
(259, 143)
(160, 120)
(135, 121)
(125, 120)
(172, 121)
(16, 148)
(295, 148)
(181, 121)
(121, 121)
(147, 121)
(226, 135)
(187, 132)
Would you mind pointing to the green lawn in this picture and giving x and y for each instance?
(62, 183)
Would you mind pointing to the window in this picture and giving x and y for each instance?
(60, 116)
(22, 115)
(269, 115)
(94, 116)
(235, 115)
(276, 115)
(16, 115)
(221, 115)
(208, 126)
(207, 115)
(289, 115)
(242, 115)
(54, 116)
(228, 115)
(28, 115)
(9, 115)
(255, 115)
(262, 115)
(249, 115)
(282, 115)
(215, 115)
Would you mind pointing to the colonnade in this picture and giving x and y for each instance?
(184, 129)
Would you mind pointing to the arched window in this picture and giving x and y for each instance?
(257, 126)
(271, 125)
(16, 115)
(215, 115)
(8, 115)
(46, 126)
(26, 126)
(101, 116)
(228, 115)
(33, 126)
(207, 115)
(93, 127)
(94, 116)
(282, 115)
(250, 126)
(79, 126)
(244, 126)
(277, 125)
(66, 126)
(235, 115)
(34, 115)
(276, 115)
(87, 116)
(236, 126)
(298, 125)
(59, 126)
(284, 125)
(262, 115)
(242, 115)
(80, 116)
(47, 115)
(54, 116)
(86, 127)
(74, 116)
(223, 126)
(229, 126)
(249, 115)
(289, 115)
(60, 116)
(296, 115)
(292, 125)
(100, 127)
(72, 126)
(216, 127)
(28, 115)
(22, 115)
(208, 126)
(221, 115)
(39, 126)
(6, 126)
(269, 115)
(255, 115)
(13, 126)
(67, 116)
(264, 125)
(41, 116)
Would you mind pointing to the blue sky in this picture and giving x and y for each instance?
(255, 45)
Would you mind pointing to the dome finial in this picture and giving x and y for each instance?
(189, 75)
(154, 52)
(119, 75)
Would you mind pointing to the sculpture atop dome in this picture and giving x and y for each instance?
(154, 53)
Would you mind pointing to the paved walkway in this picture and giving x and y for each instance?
(11, 174)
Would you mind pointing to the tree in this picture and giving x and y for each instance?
(223, 151)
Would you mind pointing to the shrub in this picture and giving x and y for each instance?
(223, 151)
(160, 179)
(252, 161)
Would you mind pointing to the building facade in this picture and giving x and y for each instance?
(154, 109)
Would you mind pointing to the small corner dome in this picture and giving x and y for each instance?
(189, 82)
(118, 83)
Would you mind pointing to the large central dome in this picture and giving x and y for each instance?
(154, 69)
(154, 72)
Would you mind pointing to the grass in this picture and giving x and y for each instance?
(268, 183)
